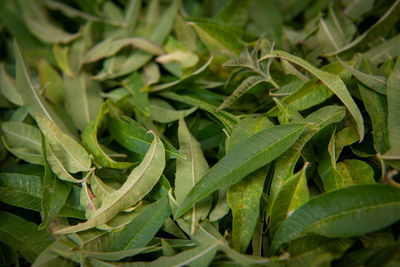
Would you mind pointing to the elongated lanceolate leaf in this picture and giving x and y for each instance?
(139, 183)
(71, 154)
(244, 87)
(189, 170)
(55, 194)
(292, 195)
(387, 20)
(244, 197)
(91, 143)
(83, 99)
(111, 46)
(23, 140)
(253, 153)
(8, 88)
(33, 101)
(23, 235)
(393, 97)
(136, 139)
(334, 83)
(351, 211)
(162, 111)
(143, 227)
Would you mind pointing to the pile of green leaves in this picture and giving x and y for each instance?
(172, 133)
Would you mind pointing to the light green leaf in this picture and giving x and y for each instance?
(83, 99)
(293, 194)
(70, 153)
(91, 143)
(21, 190)
(136, 139)
(218, 39)
(139, 58)
(111, 46)
(23, 236)
(189, 170)
(48, 32)
(184, 80)
(355, 172)
(351, 211)
(23, 140)
(61, 54)
(50, 78)
(9, 89)
(333, 82)
(253, 153)
(162, 111)
(138, 184)
(33, 101)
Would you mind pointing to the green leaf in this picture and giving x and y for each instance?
(218, 39)
(351, 211)
(244, 87)
(111, 46)
(244, 200)
(393, 125)
(33, 101)
(21, 190)
(135, 85)
(83, 99)
(227, 119)
(356, 172)
(9, 89)
(47, 258)
(384, 52)
(375, 82)
(162, 111)
(138, 184)
(136, 139)
(70, 153)
(244, 197)
(47, 32)
(293, 194)
(23, 140)
(189, 170)
(139, 58)
(390, 17)
(91, 143)
(143, 227)
(49, 77)
(54, 195)
(187, 79)
(317, 250)
(334, 83)
(376, 106)
(248, 156)
(23, 236)
(285, 164)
